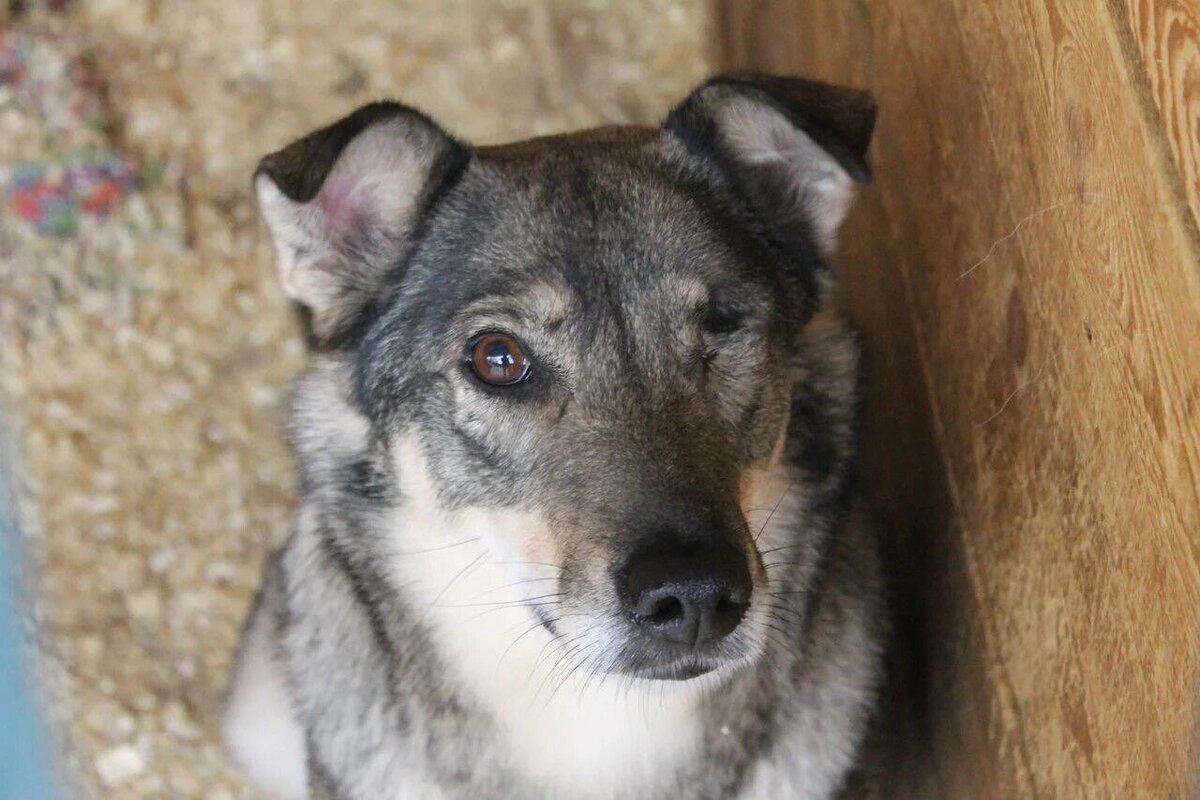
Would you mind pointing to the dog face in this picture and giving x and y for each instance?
(583, 343)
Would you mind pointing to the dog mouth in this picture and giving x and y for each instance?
(653, 667)
(679, 672)
(645, 661)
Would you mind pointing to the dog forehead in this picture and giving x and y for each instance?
(593, 220)
(607, 237)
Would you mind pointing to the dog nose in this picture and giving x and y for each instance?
(690, 596)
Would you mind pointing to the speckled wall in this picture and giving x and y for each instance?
(144, 349)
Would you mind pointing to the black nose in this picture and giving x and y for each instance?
(691, 596)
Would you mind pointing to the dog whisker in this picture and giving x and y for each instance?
(537, 624)
(437, 549)
(555, 641)
(475, 562)
(775, 610)
(493, 610)
(507, 603)
(565, 652)
(597, 667)
(577, 664)
(784, 547)
(531, 564)
(773, 510)
(515, 584)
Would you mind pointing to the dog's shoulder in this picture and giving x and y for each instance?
(260, 726)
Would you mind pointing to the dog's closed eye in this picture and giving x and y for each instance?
(720, 320)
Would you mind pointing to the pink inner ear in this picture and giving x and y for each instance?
(348, 205)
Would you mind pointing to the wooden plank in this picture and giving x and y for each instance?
(1164, 37)
(1049, 280)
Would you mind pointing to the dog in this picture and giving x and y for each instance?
(578, 450)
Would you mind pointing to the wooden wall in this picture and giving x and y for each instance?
(1026, 269)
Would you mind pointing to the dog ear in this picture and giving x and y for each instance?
(787, 146)
(342, 204)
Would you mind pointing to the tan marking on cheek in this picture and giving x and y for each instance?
(753, 482)
(780, 444)
(757, 478)
(749, 489)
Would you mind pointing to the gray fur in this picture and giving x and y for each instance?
(684, 360)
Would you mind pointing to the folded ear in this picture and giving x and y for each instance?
(791, 148)
(342, 204)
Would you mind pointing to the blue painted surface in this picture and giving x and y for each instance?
(23, 766)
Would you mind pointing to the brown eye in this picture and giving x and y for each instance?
(497, 359)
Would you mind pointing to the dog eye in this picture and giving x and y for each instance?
(497, 359)
(720, 321)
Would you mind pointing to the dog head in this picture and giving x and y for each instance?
(580, 349)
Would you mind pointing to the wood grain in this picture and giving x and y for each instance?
(1163, 36)
(1026, 272)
